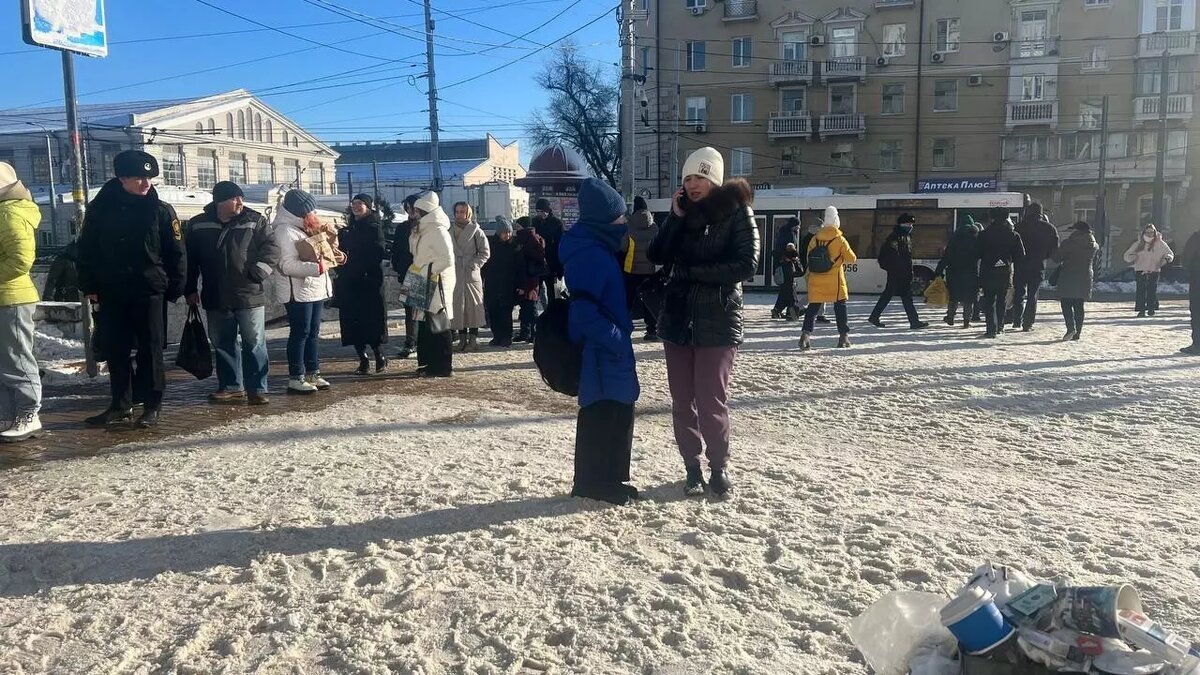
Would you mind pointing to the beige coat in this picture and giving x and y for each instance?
(471, 251)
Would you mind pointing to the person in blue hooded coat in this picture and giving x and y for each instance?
(599, 320)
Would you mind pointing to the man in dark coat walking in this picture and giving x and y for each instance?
(1191, 262)
(550, 229)
(896, 258)
(1041, 241)
(131, 260)
(402, 259)
(1000, 250)
(788, 234)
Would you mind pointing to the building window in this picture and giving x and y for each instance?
(890, 156)
(694, 4)
(285, 136)
(1033, 87)
(291, 170)
(199, 128)
(1081, 146)
(1033, 31)
(1179, 80)
(229, 124)
(1091, 113)
(1146, 211)
(258, 127)
(172, 166)
(39, 164)
(893, 99)
(945, 95)
(947, 35)
(894, 38)
(645, 167)
(793, 100)
(740, 160)
(1177, 144)
(697, 110)
(695, 55)
(270, 131)
(206, 170)
(741, 109)
(842, 99)
(943, 153)
(1096, 60)
(645, 61)
(1169, 15)
(843, 42)
(108, 152)
(1088, 4)
(266, 170)
(794, 45)
(741, 52)
(212, 127)
(241, 125)
(237, 168)
(841, 160)
(316, 178)
(295, 141)
(1083, 208)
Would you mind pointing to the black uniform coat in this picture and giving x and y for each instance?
(362, 313)
(896, 258)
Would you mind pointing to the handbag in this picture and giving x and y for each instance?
(653, 292)
(195, 353)
(417, 287)
(439, 322)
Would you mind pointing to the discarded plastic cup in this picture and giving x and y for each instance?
(975, 621)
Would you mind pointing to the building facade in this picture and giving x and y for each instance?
(408, 165)
(878, 96)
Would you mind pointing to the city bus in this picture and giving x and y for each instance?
(867, 220)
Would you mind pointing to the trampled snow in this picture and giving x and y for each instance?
(419, 533)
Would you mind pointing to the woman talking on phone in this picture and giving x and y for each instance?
(710, 245)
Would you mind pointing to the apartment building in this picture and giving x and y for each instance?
(901, 95)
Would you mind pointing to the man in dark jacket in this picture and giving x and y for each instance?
(896, 258)
(1000, 250)
(131, 260)
(402, 259)
(550, 229)
(635, 262)
(1191, 262)
(533, 252)
(788, 234)
(502, 275)
(233, 250)
(1041, 241)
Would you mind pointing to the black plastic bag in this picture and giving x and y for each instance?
(195, 354)
(99, 354)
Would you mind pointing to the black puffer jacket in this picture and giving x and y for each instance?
(896, 257)
(1040, 239)
(711, 251)
(1000, 250)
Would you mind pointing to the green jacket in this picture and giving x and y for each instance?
(19, 220)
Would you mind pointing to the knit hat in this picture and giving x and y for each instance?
(428, 202)
(299, 203)
(365, 199)
(906, 219)
(543, 204)
(502, 225)
(10, 186)
(8, 175)
(706, 163)
(135, 164)
(832, 217)
(226, 190)
(639, 204)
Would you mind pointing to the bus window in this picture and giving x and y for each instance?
(856, 228)
(930, 234)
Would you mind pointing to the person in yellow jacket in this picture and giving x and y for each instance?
(828, 254)
(20, 384)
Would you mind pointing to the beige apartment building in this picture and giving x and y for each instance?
(878, 96)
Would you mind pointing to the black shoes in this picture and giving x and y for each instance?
(404, 353)
(364, 366)
(110, 416)
(695, 482)
(1141, 315)
(718, 481)
(380, 364)
(822, 319)
(918, 325)
(1191, 350)
(618, 494)
(776, 314)
(650, 336)
(148, 419)
(949, 320)
(876, 322)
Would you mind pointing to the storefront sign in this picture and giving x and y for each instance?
(957, 185)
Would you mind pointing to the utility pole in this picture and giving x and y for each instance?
(433, 99)
(628, 92)
(1101, 204)
(919, 101)
(1160, 170)
(53, 186)
(78, 196)
(375, 176)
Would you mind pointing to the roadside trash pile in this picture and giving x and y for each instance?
(1002, 622)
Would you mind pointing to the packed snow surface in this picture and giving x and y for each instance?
(406, 533)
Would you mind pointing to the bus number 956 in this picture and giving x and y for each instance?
(852, 269)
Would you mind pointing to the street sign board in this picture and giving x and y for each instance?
(70, 25)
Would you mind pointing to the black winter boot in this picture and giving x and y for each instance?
(110, 416)
(719, 482)
(695, 482)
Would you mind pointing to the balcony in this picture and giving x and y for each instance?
(851, 124)
(884, 4)
(1051, 171)
(844, 68)
(786, 73)
(790, 124)
(1035, 48)
(1176, 43)
(1029, 113)
(1146, 108)
(740, 10)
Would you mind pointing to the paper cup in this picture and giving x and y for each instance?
(1093, 609)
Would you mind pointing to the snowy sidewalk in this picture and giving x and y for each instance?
(403, 526)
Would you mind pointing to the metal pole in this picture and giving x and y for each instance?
(1160, 169)
(628, 87)
(1101, 212)
(349, 187)
(919, 101)
(53, 188)
(78, 195)
(375, 176)
(433, 98)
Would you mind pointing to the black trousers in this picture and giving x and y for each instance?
(500, 318)
(1072, 311)
(1025, 298)
(994, 303)
(902, 287)
(633, 300)
(603, 443)
(839, 312)
(1194, 307)
(968, 311)
(130, 324)
(410, 328)
(786, 290)
(435, 351)
(1147, 292)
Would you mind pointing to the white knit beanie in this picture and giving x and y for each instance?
(706, 163)
(832, 217)
(8, 175)
(428, 202)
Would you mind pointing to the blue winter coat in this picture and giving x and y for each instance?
(609, 368)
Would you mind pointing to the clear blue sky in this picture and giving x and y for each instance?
(157, 47)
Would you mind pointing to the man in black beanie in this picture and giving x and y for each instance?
(233, 250)
(896, 258)
(550, 229)
(131, 260)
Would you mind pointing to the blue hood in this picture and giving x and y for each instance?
(599, 205)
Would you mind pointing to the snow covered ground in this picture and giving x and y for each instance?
(432, 534)
(61, 359)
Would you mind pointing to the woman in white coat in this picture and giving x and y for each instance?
(1148, 255)
(471, 251)
(433, 253)
(302, 287)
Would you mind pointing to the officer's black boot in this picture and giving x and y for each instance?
(148, 419)
(110, 416)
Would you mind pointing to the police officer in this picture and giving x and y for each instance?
(131, 260)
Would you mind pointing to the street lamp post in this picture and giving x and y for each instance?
(50, 171)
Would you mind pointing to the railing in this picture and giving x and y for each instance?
(851, 124)
(1175, 42)
(844, 68)
(1030, 48)
(881, 4)
(738, 10)
(790, 124)
(1033, 112)
(791, 71)
(1179, 106)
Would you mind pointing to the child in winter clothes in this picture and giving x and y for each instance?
(1148, 255)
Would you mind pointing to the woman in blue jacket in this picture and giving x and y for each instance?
(599, 319)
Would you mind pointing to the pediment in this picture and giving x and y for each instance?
(844, 15)
(793, 19)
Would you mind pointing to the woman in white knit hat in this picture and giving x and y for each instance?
(433, 253)
(710, 244)
(828, 254)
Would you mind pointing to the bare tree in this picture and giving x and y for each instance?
(581, 112)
